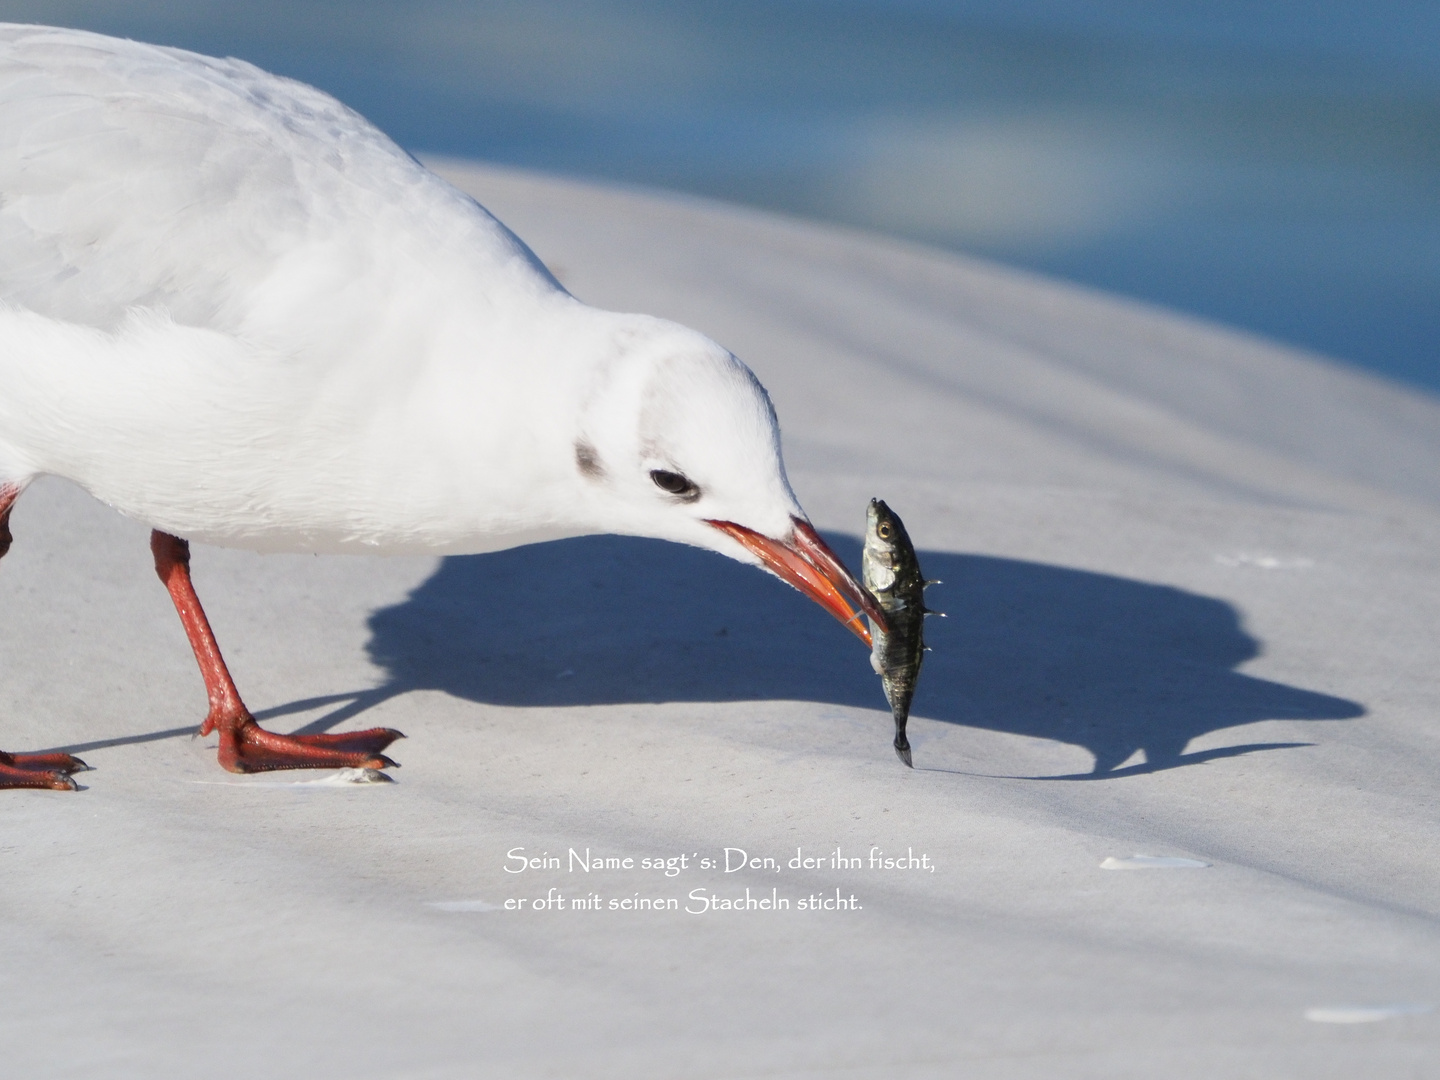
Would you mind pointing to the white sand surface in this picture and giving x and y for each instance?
(1192, 587)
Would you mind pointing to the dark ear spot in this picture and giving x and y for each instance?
(587, 461)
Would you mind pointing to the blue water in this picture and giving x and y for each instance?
(1274, 165)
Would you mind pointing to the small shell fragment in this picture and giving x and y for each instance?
(1152, 862)
(1363, 1014)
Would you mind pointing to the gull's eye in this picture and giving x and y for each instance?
(675, 483)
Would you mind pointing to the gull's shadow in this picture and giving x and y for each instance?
(1106, 663)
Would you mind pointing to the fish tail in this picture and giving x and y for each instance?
(902, 744)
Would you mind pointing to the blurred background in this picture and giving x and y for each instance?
(1274, 164)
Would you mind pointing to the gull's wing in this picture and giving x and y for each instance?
(135, 175)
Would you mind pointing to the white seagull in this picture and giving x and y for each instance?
(234, 310)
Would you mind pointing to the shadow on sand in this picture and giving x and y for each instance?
(1105, 663)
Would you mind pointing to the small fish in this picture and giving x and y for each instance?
(891, 574)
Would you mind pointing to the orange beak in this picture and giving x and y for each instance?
(806, 562)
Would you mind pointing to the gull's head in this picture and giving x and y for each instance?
(678, 440)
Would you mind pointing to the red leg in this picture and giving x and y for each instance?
(31, 770)
(244, 745)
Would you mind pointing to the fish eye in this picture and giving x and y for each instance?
(883, 530)
(675, 483)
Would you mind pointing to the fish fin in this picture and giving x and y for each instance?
(927, 611)
(932, 581)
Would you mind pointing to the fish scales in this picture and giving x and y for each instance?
(891, 573)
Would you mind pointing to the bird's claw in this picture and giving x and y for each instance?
(40, 771)
(246, 747)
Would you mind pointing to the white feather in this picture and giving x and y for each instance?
(236, 311)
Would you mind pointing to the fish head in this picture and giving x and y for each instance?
(885, 541)
(683, 444)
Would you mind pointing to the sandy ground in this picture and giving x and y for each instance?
(1191, 580)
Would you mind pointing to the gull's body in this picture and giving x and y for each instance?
(235, 311)
(224, 282)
